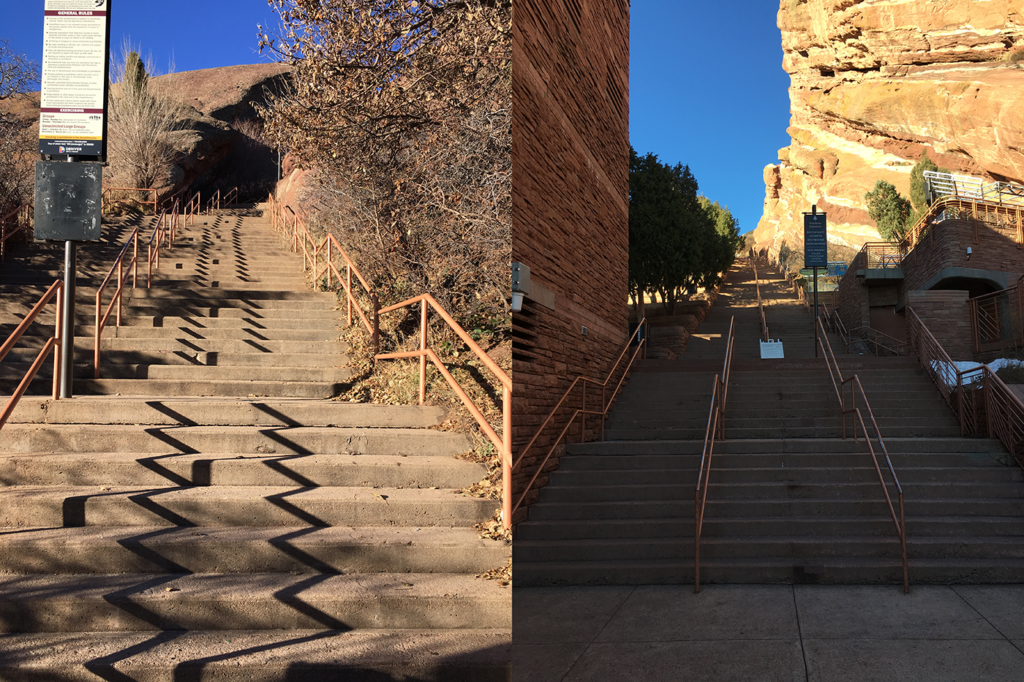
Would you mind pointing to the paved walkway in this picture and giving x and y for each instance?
(744, 633)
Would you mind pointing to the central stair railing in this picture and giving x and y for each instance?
(840, 384)
(716, 429)
(760, 303)
(162, 237)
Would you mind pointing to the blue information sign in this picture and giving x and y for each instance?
(815, 241)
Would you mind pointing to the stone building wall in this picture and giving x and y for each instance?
(947, 317)
(570, 205)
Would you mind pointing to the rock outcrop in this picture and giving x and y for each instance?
(874, 83)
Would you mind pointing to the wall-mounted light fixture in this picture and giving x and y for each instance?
(520, 285)
(968, 253)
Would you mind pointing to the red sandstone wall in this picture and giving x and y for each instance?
(946, 247)
(570, 205)
(946, 315)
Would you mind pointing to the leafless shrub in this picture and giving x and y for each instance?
(18, 141)
(140, 125)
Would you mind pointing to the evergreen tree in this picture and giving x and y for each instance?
(889, 210)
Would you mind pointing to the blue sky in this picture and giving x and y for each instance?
(195, 34)
(707, 87)
(707, 90)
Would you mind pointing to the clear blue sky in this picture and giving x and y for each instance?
(195, 34)
(707, 90)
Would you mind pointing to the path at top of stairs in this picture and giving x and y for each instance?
(205, 510)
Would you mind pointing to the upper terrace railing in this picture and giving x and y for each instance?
(288, 222)
(984, 404)
(580, 385)
(879, 256)
(840, 384)
(968, 187)
(18, 222)
(716, 429)
(108, 196)
(1005, 217)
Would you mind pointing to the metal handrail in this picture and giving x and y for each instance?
(898, 346)
(105, 197)
(214, 202)
(285, 220)
(231, 198)
(993, 319)
(24, 217)
(760, 304)
(192, 207)
(1001, 414)
(56, 290)
(501, 443)
(581, 381)
(855, 386)
(716, 428)
(162, 237)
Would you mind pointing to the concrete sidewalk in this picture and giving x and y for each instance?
(744, 633)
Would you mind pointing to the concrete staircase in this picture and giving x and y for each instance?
(789, 500)
(221, 518)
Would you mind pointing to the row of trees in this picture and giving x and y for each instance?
(895, 214)
(678, 239)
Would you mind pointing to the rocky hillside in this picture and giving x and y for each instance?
(876, 82)
(218, 103)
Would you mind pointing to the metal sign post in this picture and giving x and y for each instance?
(815, 255)
(72, 142)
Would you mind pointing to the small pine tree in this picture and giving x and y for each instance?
(918, 196)
(889, 210)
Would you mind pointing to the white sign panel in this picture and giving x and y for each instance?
(73, 99)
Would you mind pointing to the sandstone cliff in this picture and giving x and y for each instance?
(876, 82)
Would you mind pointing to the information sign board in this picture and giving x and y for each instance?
(67, 205)
(73, 98)
(815, 241)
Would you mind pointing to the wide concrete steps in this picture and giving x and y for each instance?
(235, 549)
(205, 510)
(313, 655)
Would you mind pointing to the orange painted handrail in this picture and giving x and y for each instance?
(162, 237)
(760, 305)
(23, 218)
(606, 405)
(839, 384)
(502, 444)
(231, 198)
(285, 220)
(56, 290)
(716, 428)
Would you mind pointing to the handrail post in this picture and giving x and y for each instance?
(903, 545)
(604, 412)
(376, 324)
(117, 292)
(696, 534)
(348, 289)
(56, 334)
(583, 414)
(97, 333)
(423, 349)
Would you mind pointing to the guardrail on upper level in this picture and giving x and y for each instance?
(605, 403)
(879, 256)
(839, 384)
(716, 429)
(981, 401)
(56, 290)
(285, 220)
(107, 197)
(17, 222)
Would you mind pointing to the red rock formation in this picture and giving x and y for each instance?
(876, 82)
